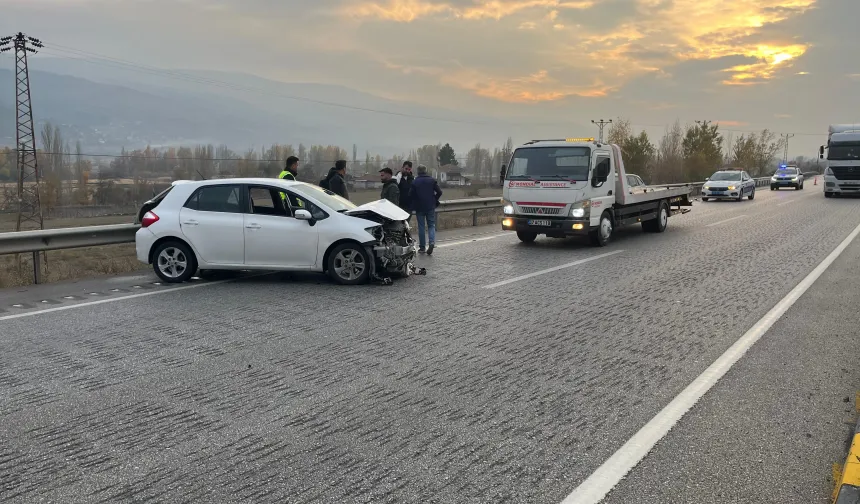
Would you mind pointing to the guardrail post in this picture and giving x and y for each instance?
(37, 268)
(475, 217)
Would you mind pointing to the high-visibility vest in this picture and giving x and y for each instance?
(288, 175)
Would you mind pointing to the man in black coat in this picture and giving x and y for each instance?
(404, 183)
(337, 182)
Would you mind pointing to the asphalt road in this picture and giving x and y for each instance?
(508, 374)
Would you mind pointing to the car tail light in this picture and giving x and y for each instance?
(149, 218)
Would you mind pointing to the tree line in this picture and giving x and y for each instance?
(692, 153)
(70, 177)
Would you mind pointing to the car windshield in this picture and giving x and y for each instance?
(787, 171)
(550, 162)
(719, 176)
(838, 152)
(326, 197)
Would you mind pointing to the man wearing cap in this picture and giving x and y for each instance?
(390, 191)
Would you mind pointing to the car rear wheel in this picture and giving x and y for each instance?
(174, 262)
(348, 264)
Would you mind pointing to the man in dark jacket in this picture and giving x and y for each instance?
(404, 182)
(424, 195)
(337, 181)
(390, 191)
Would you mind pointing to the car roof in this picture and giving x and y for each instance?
(247, 180)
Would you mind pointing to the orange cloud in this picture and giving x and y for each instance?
(657, 37)
(731, 123)
(537, 87)
(410, 10)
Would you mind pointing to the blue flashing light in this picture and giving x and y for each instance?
(782, 166)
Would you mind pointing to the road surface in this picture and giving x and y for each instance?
(509, 373)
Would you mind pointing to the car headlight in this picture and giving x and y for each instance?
(794, 179)
(508, 209)
(773, 179)
(706, 188)
(375, 232)
(580, 210)
(732, 188)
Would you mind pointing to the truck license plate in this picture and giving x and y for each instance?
(539, 223)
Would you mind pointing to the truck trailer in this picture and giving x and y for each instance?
(578, 187)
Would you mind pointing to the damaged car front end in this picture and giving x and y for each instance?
(394, 250)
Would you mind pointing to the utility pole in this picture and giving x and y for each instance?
(29, 201)
(600, 124)
(785, 137)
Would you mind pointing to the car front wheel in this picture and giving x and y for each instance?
(348, 264)
(174, 262)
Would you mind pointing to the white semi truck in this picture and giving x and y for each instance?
(842, 172)
(578, 187)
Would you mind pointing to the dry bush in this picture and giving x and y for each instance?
(72, 264)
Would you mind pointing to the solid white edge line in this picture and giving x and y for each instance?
(604, 479)
(184, 287)
(724, 221)
(111, 300)
(550, 270)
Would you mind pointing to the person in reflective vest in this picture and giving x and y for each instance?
(291, 169)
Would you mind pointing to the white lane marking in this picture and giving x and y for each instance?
(604, 479)
(184, 287)
(724, 221)
(472, 240)
(787, 202)
(550, 270)
(111, 300)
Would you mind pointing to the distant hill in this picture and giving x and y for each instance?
(109, 107)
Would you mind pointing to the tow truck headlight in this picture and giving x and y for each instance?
(508, 208)
(580, 210)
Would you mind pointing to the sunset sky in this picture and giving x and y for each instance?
(789, 65)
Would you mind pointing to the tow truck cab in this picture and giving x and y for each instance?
(578, 187)
(842, 174)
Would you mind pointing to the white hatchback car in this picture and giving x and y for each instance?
(273, 225)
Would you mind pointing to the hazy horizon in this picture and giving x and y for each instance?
(785, 65)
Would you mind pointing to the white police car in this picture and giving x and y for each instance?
(787, 176)
(729, 184)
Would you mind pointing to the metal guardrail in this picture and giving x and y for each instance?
(34, 242)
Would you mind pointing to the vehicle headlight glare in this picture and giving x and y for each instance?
(732, 188)
(578, 213)
(509, 209)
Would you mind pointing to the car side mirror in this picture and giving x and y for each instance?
(305, 215)
(707, 179)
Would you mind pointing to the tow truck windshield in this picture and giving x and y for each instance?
(571, 163)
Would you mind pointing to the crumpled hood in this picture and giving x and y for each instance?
(382, 208)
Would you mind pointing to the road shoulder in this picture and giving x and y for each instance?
(772, 428)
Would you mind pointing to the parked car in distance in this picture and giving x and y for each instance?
(729, 184)
(787, 176)
(273, 225)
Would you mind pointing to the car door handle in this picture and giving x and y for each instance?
(253, 226)
(191, 222)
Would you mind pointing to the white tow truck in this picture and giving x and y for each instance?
(578, 187)
(842, 174)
